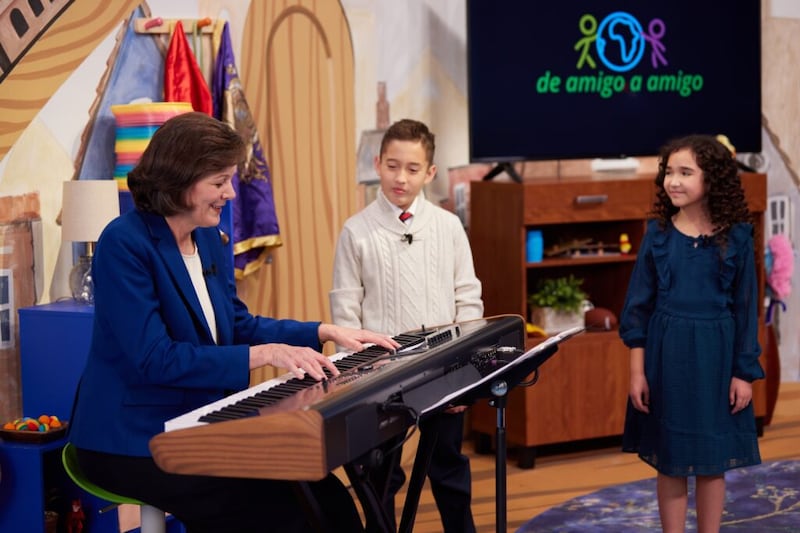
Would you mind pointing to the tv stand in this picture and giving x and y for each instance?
(622, 164)
(506, 167)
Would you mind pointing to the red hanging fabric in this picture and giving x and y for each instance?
(183, 80)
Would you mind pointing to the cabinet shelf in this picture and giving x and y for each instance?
(578, 261)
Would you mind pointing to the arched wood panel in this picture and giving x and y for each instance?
(297, 69)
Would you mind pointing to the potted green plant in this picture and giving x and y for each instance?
(557, 304)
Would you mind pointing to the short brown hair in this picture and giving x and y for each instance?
(182, 151)
(410, 130)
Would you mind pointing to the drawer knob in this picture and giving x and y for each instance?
(590, 199)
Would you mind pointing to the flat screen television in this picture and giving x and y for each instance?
(610, 78)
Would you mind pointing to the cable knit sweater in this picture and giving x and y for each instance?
(386, 284)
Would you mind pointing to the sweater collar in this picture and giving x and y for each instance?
(415, 206)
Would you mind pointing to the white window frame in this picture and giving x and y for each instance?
(779, 216)
(7, 314)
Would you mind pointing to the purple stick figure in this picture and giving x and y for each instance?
(657, 29)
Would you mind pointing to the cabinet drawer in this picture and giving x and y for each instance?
(587, 201)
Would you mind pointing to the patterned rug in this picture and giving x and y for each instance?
(762, 499)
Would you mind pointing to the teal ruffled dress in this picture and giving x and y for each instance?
(695, 313)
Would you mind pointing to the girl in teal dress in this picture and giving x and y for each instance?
(691, 322)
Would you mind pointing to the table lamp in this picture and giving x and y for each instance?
(87, 206)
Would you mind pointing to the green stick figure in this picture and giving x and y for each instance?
(588, 27)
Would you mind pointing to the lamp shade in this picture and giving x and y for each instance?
(87, 206)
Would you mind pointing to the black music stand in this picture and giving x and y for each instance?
(511, 368)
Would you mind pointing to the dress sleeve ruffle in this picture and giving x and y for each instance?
(738, 238)
(738, 278)
(661, 255)
(640, 298)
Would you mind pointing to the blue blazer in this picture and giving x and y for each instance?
(152, 356)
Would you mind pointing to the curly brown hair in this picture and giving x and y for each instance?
(726, 203)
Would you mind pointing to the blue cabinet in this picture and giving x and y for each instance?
(54, 344)
(28, 472)
(34, 481)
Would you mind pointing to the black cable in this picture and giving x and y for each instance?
(402, 408)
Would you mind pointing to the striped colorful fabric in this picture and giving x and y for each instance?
(135, 126)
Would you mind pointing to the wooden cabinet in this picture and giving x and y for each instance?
(582, 391)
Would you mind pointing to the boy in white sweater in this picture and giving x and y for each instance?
(403, 263)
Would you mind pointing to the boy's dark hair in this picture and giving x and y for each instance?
(410, 130)
(724, 193)
(185, 149)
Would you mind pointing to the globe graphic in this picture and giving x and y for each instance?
(620, 42)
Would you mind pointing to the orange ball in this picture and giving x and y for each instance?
(44, 419)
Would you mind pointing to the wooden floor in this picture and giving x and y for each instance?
(560, 477)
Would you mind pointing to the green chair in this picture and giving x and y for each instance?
(153, 519)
